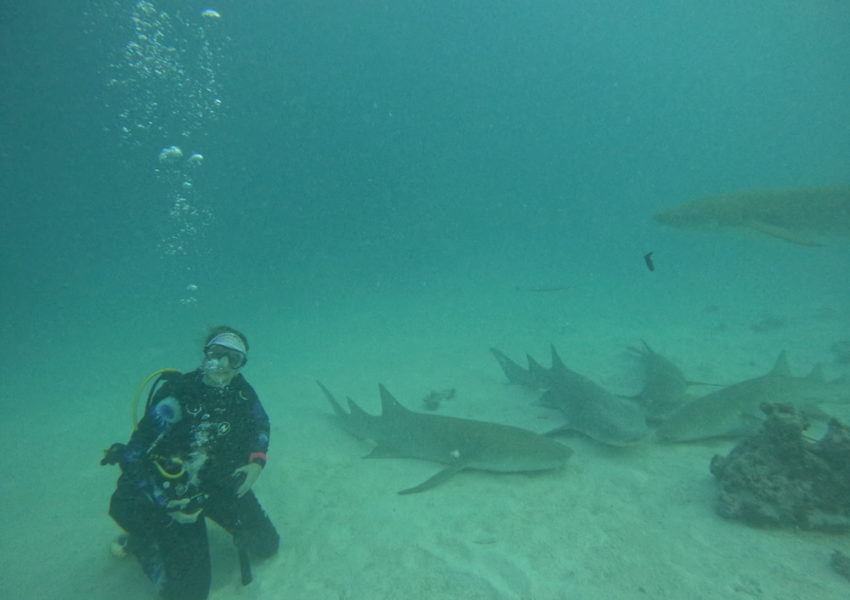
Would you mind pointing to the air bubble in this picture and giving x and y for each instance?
(170, 154)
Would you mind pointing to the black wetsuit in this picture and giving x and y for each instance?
(187, 446)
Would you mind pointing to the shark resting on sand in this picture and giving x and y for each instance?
(796, 215)
(589, 408)
(665, 388)
(735, 410)
(459, 443)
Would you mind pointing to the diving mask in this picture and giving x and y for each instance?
(235, 358)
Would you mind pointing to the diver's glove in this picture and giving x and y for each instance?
(251, 472)
(113, 455)
(182, 512)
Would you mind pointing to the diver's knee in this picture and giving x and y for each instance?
(265, 544)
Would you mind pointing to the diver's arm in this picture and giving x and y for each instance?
(261, 433)
(259, 445)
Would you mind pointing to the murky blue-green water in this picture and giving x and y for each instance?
(349, 181)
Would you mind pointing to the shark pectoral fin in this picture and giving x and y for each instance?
(781, 233)
(436, 480)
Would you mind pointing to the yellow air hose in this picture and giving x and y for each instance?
(139, 393)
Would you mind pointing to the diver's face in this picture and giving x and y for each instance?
(221, 365)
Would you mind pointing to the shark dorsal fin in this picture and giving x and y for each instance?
(334, 404)
(780, 367)
(816, 374)
(389, 405)
(557, 363)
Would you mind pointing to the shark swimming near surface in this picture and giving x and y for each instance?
(735, 410)
(589, 408)
(459, 443)
(801, 216)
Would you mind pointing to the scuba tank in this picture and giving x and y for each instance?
(112, 455)
(174, 481)
(161, 376)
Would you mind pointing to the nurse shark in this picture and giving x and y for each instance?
(587, 406)
(801, 216)
(458, 443)
(735, 410)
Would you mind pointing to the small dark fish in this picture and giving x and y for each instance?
(647, 258)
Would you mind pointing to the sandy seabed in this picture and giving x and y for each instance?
(616, 523)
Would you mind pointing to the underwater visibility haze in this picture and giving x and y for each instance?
(378, 193)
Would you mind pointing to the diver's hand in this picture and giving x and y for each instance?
(176, 510)
(251, 471)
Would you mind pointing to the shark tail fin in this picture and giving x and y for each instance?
(354, 416)
(535, 370)
(333, 402)
(514, 372)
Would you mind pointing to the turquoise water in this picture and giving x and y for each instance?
(383, 185)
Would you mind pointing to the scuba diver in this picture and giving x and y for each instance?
(195, 454)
